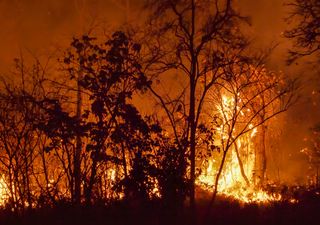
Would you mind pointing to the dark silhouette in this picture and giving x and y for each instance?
(78, 147)
(305, 15)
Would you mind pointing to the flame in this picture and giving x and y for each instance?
(232, 185)
(4, 191)
(235, 182)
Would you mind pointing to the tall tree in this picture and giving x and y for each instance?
(111, 75)
(244, 103)
(18, 139)
(188, 37)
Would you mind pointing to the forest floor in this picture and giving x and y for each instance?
(224, 212)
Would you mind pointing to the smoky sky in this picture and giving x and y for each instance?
(39, 25)
(36, 24)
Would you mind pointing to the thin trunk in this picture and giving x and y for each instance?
(11, 183)
(45, 172)
(216, 184)
(192, 145)
(124, 161)
(243, 174)
(77, 156)
(91, 182)
(263, 155)
(80, 8)
(192, 121)
(27, 181)
(262, 150)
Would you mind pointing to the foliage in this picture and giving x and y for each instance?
(190, 38)
(110, 149)
(111, 76)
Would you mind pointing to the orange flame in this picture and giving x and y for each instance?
(232, 182)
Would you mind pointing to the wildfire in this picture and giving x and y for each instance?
(237, 178)
(3, 191)
(231, 185)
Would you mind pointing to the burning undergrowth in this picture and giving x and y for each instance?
(236, 166)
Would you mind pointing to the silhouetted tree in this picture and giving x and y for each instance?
(173, 186)
(245, 101)
(187, 37)
(18, 139)
(305, 17)
(111, 75)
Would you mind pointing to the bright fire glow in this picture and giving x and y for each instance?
(4, 192)
(236, 182)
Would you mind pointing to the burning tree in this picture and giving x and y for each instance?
(123, 154)
(188, 38)
(94, 145)
(305, 17)
(111, 129)
(20, 143)
(242, 104)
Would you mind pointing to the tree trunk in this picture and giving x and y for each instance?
(192, 145)
(77, 155)
(216, 185)
(28, 189)
(263, 155)
(261, 158)
(192, 122)
(124, 161)
(91, 182)
(241, 164)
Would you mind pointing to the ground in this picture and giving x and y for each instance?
(224, 212)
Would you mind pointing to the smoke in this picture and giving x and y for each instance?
(287, 164)
(38, 25)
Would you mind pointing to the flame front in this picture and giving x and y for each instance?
(238, 179)
(4, 192)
